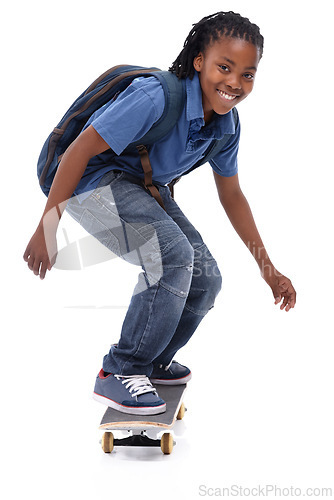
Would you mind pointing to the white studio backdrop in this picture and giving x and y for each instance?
(263, 376)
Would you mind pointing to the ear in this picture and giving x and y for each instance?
(198, 61)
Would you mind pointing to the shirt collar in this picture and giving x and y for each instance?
(220, 125)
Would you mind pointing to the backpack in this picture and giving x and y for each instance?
(105, 88)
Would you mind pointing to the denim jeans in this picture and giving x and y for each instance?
(179, 280)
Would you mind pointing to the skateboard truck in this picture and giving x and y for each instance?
(139, 438)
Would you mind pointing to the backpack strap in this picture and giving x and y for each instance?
(148, 183)
(175, 96)
(175, 92)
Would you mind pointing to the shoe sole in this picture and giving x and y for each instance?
(171, 381)
(145, 410)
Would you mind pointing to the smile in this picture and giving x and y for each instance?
(226, 96)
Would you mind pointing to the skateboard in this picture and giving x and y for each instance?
(137, 425)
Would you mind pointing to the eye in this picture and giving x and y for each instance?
(224, 67)
(249, 76)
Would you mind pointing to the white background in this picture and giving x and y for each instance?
(261, 399)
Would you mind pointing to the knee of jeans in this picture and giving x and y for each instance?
(177, 267)
(206, 284)
(178, 254)
(213, 277)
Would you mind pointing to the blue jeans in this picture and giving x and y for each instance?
(180, 278)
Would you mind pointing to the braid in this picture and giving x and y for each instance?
(210, 29)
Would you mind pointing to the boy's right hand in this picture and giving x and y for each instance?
(41, 251)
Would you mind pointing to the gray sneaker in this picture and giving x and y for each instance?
(132, 394)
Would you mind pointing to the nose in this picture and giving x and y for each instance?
(233, 82)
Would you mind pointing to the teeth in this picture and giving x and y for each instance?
(227, 96)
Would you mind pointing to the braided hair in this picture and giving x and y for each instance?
(210, 29)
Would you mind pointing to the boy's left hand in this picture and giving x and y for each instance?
(281, 287)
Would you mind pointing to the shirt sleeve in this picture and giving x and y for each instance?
(225, 163)
(131, 115)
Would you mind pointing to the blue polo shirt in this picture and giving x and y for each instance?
(133, 113)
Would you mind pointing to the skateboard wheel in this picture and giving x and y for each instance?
(166, 443)
(181, 413)
(107, 442)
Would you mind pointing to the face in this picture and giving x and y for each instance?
(226, 71)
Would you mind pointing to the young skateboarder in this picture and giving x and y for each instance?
(180, 278)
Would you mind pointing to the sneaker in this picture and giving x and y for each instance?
(132, 394)
(173, 374)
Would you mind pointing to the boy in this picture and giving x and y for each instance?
(180, 278)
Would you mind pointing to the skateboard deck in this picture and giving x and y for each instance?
(114, 420)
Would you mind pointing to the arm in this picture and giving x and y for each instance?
(240, 215)
(41, 251)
